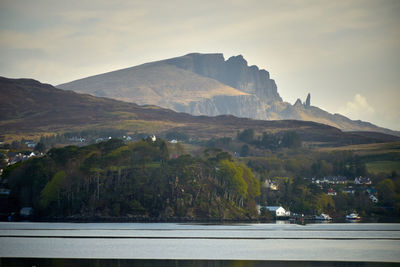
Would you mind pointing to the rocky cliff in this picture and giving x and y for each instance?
(233, 72)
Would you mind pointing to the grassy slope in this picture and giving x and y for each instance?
(153, 83)
(379, 157)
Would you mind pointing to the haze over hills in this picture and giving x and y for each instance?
(207, 84)
(30, 108)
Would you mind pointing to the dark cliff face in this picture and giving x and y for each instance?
(233, 72)
(250, 79)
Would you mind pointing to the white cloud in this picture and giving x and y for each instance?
(358, 108)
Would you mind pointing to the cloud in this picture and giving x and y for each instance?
(358, 108)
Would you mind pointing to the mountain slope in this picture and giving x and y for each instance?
(155, 83)
(207, 84)
(29, 108)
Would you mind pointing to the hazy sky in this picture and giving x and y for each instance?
(345, 53)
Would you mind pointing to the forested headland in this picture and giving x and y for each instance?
(135, 180)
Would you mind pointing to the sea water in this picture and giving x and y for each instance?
(197, 243)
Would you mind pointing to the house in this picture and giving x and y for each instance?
(373, 198)
(77, 139)
(30, 143)
(362, 180)
(5, 192)
(15, 158)
(26, 213)
(271, 185)
(29, 154)
(349, 190)
(278, 211)
(334, 180)
(331, 192)
(314, 180)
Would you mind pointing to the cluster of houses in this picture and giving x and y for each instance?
(330, 181)
(336, 180)
(341, 180)
(77, 139)
(15, 157)
(11, 158)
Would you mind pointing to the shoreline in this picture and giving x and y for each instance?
(98, 219)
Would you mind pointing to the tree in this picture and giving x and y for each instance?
(324, 203)
(253, 184)
(51, 192)
(247, 136)
(291, 140)
(386, 191)
(231, 175)
(180, 136)
(40, 147)
(269, 141)
(244, 151)
(321, 168)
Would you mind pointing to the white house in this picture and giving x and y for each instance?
(373, 198)
(271, 185)
(362, 180)
(278, 211)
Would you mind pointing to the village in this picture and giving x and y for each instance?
(331, 186)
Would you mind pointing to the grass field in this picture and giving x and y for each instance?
(379, 157)
(383, 166)
(366, 149)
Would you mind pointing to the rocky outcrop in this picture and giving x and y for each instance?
(234, 72)
(307, 104)
(298, 103)
(247, 106)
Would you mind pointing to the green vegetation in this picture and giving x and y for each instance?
(223, 179)
(383, 167)
(135, 180)
(379, 157)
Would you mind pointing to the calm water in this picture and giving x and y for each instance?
(167, 242)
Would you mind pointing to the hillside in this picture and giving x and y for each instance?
(207, 84)
(29, 108)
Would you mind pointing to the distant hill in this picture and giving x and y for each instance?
(207, 84)
(30, 108)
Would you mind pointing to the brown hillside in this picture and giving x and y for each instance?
(28, 107)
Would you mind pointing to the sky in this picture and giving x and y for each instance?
(345, 53)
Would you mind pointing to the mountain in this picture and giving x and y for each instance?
(30, 108)
(207, 84)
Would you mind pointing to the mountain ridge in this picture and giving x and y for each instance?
(207, 84)
(30, 108)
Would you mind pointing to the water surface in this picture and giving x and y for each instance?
(171, 241)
